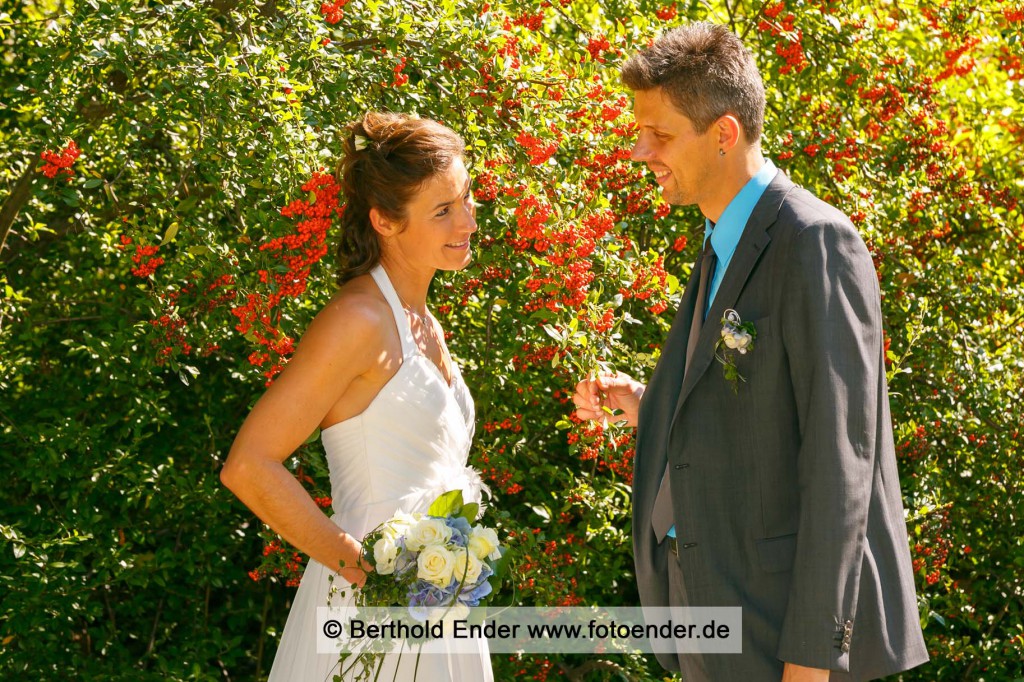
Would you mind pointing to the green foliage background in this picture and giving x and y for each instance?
(124, 558)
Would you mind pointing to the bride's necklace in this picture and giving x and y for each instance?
(426, 322)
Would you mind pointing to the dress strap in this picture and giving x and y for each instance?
(380, 276)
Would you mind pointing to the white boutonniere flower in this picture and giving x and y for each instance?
(737, 337)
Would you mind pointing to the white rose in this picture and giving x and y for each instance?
(730, 340)
(743, 340)
(405, 520)
(427, 532)
(435, 564)
(398, 525)
(467, 567)
(384, 554)
(483, 542)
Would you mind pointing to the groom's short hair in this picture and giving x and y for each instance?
(706, 71)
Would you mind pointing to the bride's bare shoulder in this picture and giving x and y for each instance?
(357, 315)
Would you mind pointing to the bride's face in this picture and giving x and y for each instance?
(440, 220)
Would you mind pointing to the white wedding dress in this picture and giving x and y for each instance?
(409, 446)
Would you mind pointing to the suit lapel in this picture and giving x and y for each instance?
(752, 244)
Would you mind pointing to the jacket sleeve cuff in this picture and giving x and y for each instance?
(831, 652)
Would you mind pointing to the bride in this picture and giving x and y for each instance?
(373, 372)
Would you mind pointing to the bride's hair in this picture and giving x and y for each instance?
(387, 158)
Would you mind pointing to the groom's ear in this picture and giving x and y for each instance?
(729, 131)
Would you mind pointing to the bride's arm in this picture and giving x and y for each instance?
(344, 342)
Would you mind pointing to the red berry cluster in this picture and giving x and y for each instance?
(509, 47)
(916, 447)
(1011, 64)
(60, 161)
(614, 173)
(958, 61)
(173, 337)
(931, 551)
(188, 304)
(308, 244)
(532, 22)
(667, 12)
(333, 11)
(485, 186)
(592, 443)
(400, 78)
(789, 45)
(297, 252)
(144, 257)
(648, 281)
(495, 469)
(280, 562)
(513, 424)
(597, 47)
(538, 151)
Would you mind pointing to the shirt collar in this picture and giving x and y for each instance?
(725, 234)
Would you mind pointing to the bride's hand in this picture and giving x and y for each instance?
(357, 575)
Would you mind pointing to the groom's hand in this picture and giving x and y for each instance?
(798, 673)
(617, 392)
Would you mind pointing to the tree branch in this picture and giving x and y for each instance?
(10, 209)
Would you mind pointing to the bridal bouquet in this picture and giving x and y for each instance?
(437, 559)
(422, 562)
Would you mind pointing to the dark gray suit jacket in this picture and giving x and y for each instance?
(786, 497)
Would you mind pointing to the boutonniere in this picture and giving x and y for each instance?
(737, 337)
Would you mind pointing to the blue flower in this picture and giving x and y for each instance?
(461, 530)
(406, 559)
(424, 596)
(472, 597)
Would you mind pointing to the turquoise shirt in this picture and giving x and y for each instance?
(725, 234)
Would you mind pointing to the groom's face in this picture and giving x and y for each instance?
(681, 159)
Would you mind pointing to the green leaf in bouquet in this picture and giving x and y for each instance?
(470, 512)
(448, 504)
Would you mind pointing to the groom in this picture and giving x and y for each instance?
(774, 490)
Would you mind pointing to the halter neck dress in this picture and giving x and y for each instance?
(410, 445)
